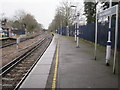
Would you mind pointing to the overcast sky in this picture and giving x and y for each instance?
(42, 10)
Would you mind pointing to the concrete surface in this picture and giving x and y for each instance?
(39, 75)
(78, 69)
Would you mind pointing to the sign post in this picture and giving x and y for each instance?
(108, 12)
(17, 42)
(108, 49)
(77, 30)
(116, 40)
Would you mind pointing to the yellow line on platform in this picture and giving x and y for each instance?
(56, 68)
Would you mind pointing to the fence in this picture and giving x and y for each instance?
(88, 32)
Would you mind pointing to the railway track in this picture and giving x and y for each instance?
(15, 72)
(10, 41)
(7, 42)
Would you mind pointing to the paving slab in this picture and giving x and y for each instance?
(41, 70)
(35, 81)
(45, 61)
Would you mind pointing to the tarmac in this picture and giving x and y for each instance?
(76, 67)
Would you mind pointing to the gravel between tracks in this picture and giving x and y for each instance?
(11, 52)
(12, 79)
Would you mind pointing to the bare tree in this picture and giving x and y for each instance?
(63, 16)
(24, 20)
(19, 14)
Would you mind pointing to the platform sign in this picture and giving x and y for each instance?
(108, 12)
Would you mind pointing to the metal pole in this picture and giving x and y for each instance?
(17, 42)
(116, 39)
(95, 53)
(67, 23)
(61, 27)
(75, 22)
(67, 30)
(108, 49)
(77, 30)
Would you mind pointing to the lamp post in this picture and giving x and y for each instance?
(67, 22)
(75, 23)
(61, 27)
(75, 31)
(78, 14)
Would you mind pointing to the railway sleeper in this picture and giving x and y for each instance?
(7, 85)
(12, 75)
(7, 79)
(25, 70)
(18, 68)
(27, 63)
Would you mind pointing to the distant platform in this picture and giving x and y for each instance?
(3, 38)
(6, 38)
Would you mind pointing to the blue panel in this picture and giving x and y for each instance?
(88, 32)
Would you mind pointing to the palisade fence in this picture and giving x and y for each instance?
(87, 32)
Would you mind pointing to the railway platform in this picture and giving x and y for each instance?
(38, 76)
(65, 66)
